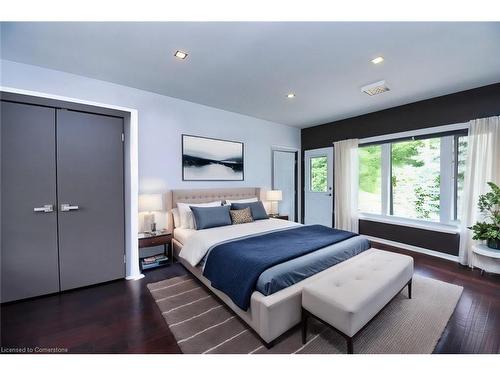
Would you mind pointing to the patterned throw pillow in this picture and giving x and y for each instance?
(241, 216)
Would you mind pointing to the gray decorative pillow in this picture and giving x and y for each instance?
(241, 216)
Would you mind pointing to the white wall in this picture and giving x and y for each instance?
(162, 120)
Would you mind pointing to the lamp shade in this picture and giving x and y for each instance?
(274, 195)
(150, 202)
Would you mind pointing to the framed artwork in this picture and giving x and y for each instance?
(210, 159)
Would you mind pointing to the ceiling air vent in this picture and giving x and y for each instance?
(375, 88)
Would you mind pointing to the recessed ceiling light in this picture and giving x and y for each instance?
(180, 55)
(378, 60)
(290, 95)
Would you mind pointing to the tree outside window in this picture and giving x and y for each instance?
(404, 178)
(319, 174)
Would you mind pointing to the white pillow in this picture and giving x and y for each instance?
(177, 218)
(186, 215)
(247, 200)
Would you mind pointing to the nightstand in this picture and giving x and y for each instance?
(282, 217)
(157, 260)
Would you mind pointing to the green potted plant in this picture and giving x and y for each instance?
(489, 230)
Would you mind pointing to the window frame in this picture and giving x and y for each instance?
(319, 156)
(449, 135)
(456, 145)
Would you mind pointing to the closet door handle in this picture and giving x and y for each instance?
(67, 207)
(44, 208)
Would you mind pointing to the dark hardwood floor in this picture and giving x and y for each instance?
(121, 316)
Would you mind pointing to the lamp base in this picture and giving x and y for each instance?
(274, 209)
(148, 221)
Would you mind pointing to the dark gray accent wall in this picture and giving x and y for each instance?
(443, 110)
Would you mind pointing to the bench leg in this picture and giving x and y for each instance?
(350, 349)
(304, 326)
(409, 289)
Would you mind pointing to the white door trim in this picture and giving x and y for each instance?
(325, 151)
(296, 198)
(131, 126)
(299, 174)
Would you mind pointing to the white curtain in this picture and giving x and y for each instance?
(482, 166)
(346, 175)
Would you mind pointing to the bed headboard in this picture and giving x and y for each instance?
(204, 196)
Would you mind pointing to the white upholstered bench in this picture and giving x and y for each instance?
(350, 296)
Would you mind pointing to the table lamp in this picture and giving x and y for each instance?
(150, 203)
(274, 196)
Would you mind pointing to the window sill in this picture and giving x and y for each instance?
(436, 227)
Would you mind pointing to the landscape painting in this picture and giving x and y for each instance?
(208, 159)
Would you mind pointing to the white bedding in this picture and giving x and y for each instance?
(182, 234)
(197, 244)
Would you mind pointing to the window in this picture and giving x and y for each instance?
(319, 174)
(417, 179)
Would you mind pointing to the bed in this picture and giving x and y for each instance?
(275, 305)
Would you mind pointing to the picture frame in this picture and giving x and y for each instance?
(212, 159)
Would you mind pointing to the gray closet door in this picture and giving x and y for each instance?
(29, 238)
(90, 182)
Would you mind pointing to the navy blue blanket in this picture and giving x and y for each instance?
(234, 267)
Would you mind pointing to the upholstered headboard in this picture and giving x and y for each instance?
(204, 196)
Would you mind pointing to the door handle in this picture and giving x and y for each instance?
(67, 207)
(44, 208)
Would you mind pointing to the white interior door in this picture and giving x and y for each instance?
(284, 180)
(318, 203)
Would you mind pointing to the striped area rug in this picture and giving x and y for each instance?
(201, 323)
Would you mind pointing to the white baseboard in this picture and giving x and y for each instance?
(413, 248)
(135, 277)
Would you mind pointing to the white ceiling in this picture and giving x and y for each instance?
(250, 67)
